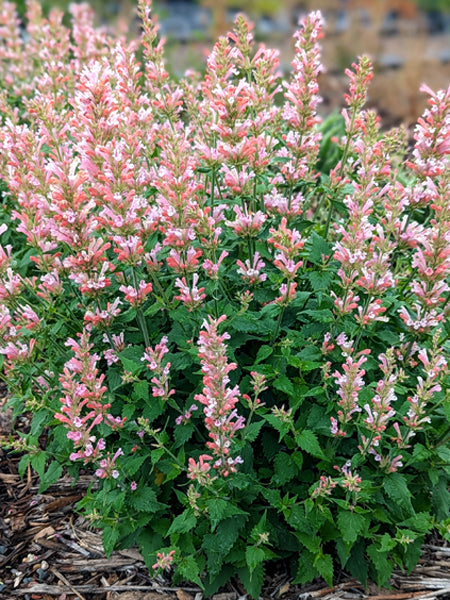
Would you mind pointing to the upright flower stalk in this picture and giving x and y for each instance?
(219, 401)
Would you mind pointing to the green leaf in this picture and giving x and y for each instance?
(183, 523)
(323, 315)
(217, 545)
(189, 569)
(421, 522)
(298, 520)
(140, 390)
(350, 525)
(307, 440)
(357, 564)
(144, 500)
(387, 543)
(306, 571)
(441, 498)
(254, 555)
(263, 353)
(23, 464)
(324, 564)
(383, 566)
(38, 422)
(51, 476)
(396, 488)
(252, 582)
(110, 536)
(317, 246)
(253, 430)
(180, 361)
(134, 464)
(310, 542)
(310, 353)
(219, 509)
(285, 468)
(131, 359)
(38, 462)
(182, 434)
(284, 384)
(281, 426)
(273, 496)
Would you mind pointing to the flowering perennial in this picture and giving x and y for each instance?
(231, 309)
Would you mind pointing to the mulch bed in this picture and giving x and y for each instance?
(49, 552)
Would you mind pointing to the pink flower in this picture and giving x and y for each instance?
(164, 561)
(191, 297)
(136, 297)
(251, 273)
(221, 418)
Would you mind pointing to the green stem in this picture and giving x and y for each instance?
(140, 315)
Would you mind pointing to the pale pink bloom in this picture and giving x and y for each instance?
(164, 561)
(325, 487)
(212, 268)
(251, 272)
(287, 293)
(247, 224)
(136, 297)
(219, 401)
(191, 297)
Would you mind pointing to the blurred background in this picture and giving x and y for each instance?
(408, 40)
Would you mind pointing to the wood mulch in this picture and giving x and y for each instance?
(48, 552)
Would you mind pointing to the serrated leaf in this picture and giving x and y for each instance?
(309, 541)
(183, 523)
(310, 353)
(263, 353)
(110, 536)
(298, 520)
(441, 498)
(23, 464)
(273, 497)
(284, 467)
(182, 434)
(134, 464)
(357, 564)
(323, 315)
(131, 359)
(253, 430)
(218, 544)
(189, 569)
(180, 361)
(284, 384)
(306, 571)
(307, 440)
(144, 500)
(421, 522)
(38, 462)
(219, 509)
(254, 555)
(387, 543)
(38, 422)
(350, 525)
(50, 476)
(381, 562)
(277, 424)
(141, 390)
(324, 564)
(252, 582)
(318, 246)
(396, 487)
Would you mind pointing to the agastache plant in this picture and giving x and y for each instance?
(228, 308)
